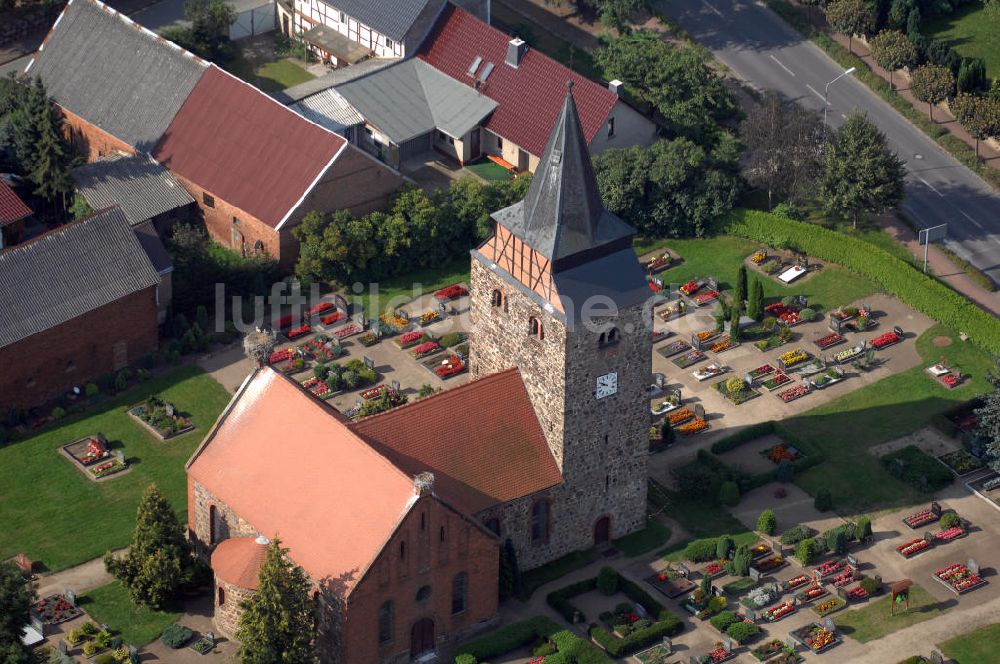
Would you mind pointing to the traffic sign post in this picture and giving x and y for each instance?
(927, 235)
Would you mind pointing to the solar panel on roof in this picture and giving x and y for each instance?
(475, 65)
(487, 70)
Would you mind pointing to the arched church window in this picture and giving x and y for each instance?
(535, 328)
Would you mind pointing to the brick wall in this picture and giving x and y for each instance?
(200, 504)
(91, 140)
(44, 365)
(429, 561)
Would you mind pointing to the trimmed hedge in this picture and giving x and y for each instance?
(667, 624)
(559, 599)
(750, 433)
(896, 276)
(571, 647)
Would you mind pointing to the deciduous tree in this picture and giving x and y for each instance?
(784, 148)
(276, 626)
(892, 50)
(861, 174)
(932, 84)
(979, 115)
(851, 17)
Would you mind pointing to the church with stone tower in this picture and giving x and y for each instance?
(398, 518)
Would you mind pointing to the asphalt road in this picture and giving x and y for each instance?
(764, 51)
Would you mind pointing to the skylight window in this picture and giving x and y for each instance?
(475, 65)
(487, 70)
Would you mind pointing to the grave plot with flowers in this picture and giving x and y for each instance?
(779, 611)
(959, 579)
(428, 317)
(671, 583)
(717, 654)
(828, 341)
(828, 606)
(296, 332)
(776, 652)
(411, 339)
(675, 347)
(793, 393)
(887, 339)
(322, 349)
(961, 462)
(736, 390)
(93, 457)
(689, 359)
(161, 418)
(424, 349)
(793, 358)
(815, 637)
(923, 517)
(452, 292)
(775, 381)
(54, 609)
(396, 323)
(913, 547)
(445, 368)
(760, 372)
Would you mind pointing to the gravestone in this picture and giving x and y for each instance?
(803, 302)
(727, 645)
(668, 644)
(120, 456)
(936, 657)
(829, 624)
(63, 647)
(699, 411)
(38, 625)
(657, 282)
(640, 610)
(211, 637)
(712, 283)
(683, 570)
(878, 579)
(342, 304)
(394, 386)
(361, 321)
(695, 341)
(70, 596)
(835, 324)
(659, 379)
(973, 566)
(791, 642)
(369, 362)
(133, 655)
(852, 561)
(754, 574)
(443, 308)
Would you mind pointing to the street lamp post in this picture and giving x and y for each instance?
(826, 92)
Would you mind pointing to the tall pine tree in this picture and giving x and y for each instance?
(276, 626)
(158, 561)
(740, 296)
(755, 307)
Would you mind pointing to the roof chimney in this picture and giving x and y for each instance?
(423, 484)
(516, 48)
(616, 87)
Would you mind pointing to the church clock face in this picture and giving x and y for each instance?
(607, 385)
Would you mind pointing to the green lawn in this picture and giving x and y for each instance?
(54, 514)
(270, 77)
(394, 292)
(722, 256)
(846, 427)
(873, 621)
(653, 536)
(976, 647)
(137, 625)
(972, 31)
(489, 171)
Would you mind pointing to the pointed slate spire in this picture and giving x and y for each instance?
(563, 208)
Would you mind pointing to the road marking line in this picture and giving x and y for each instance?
(930, 186)
(705, 2)
(813, 90)
(978, 225)
(780, 64)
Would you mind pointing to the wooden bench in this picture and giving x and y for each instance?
(500, 161)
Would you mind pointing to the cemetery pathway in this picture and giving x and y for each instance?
(79, 579)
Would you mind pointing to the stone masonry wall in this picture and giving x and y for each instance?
(200, 503)
(227, 614)
(600, 445)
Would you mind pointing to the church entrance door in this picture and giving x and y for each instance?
(602, 530)
(421, 637)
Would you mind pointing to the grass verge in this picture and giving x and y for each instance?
(954, 145)
(873, 621)
(137, 625)
(534, 579)
(397, 291)
(54, 514)
(653, 536)
(978, 646)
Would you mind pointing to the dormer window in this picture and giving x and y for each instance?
(535, 328)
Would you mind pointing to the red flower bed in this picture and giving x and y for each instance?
(949, 534)
(813, 592)
(959, 577)
(706, 296)
(285, 321)
(790, 318)
(829, 567)
(653, 286)
(451, 292)
(831, 339)
(950, 380)
(319, 308)
(347, 330)
(843, 578)
(690, 288)
(793, 393)
(761, 371)
(887, 339)
(780, 453)
(372, 392)
(921, 518)
(299, 332)
(94, 452)
(410, 338)
(800, 580)
(281, 355)
(913, 547)
(453, 365)
(777, 309)
(425, 349)
(714, 569)
(780, 611)
(857, 593)
(332, 318)
(718, 654)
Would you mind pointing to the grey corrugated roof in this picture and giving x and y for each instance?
(114, 74)
(67, 272)
(412, 98)
(329, 109)
(562, 215)
(393, 19)
(332, 78)
(138, 185)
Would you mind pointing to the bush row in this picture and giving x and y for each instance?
(900, 279)
(752, 432)
(559, 599)
(571, 647)
(667, 624)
